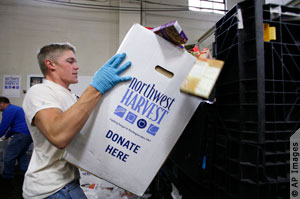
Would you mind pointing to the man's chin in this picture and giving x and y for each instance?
(75, 82)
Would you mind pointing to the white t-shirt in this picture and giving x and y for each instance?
(47, 172)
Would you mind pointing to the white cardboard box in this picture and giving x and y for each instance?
(136, 124)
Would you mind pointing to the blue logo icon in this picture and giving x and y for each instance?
(141, 123)
(120, 111)
(152, 130)
(130, 117)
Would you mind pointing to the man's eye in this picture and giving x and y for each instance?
(71, 61)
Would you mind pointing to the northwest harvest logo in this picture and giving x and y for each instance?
(144, 106)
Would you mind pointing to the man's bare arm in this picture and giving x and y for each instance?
(61, 127)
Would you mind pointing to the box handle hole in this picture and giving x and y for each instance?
(164, 71)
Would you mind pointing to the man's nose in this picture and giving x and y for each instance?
(76, 67)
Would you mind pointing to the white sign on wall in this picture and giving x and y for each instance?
(11, 86)
(33, 79)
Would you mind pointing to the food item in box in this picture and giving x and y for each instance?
(202, 77)
(172, 32)
(205, 53)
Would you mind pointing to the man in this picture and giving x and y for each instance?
(14, 124)
(55, 117)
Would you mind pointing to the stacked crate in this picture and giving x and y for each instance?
(190, 164)
(257, 100)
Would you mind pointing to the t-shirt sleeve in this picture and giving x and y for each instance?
(39, 97)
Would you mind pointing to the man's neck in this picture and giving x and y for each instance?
(58, 82)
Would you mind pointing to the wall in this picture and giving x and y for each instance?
(28, 25)
(280, 2)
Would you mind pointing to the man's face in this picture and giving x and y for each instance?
(67, 68)
(2, 106)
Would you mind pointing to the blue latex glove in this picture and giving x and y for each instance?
(108, 75)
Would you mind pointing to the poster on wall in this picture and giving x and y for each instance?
(33, 79)
(11, 86)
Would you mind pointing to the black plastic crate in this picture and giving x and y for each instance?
(190, 163)
(219, 192)
(247, 93)
(261, 190)
(274, 134)
(257, 100)
(247, 189)
(229, 74)
(252, 154)
(220, 176)
(226, 31)
(241, 113)
(252, 173)
(235, 133)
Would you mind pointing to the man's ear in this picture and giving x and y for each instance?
(49, 64)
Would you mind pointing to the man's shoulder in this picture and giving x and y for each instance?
(38, 88)
(40, 93)
(13, 108)
(40, 85)
(35, 92)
